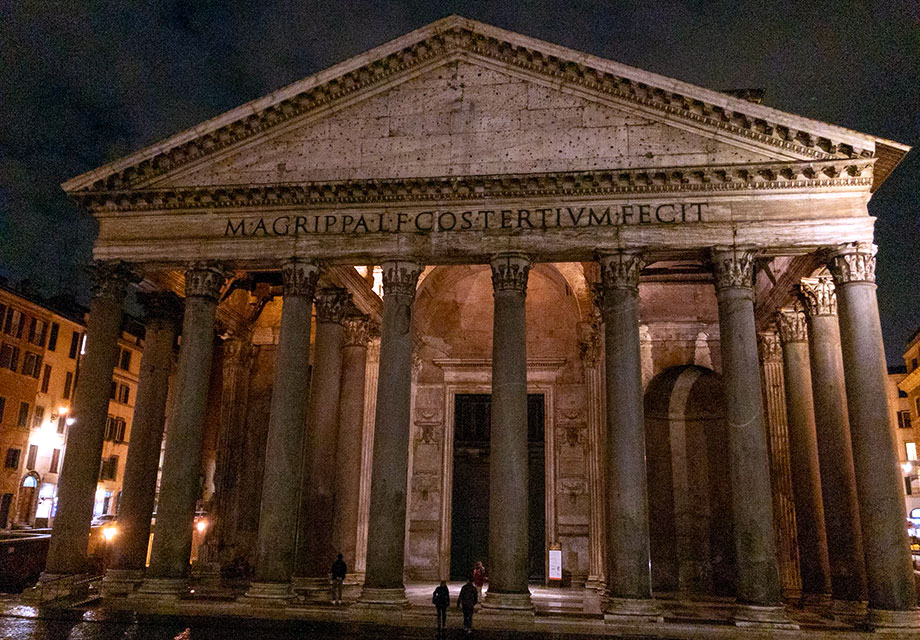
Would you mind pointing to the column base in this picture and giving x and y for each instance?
(511, 602)
(54, 586)
(162, 589)
(632, 611)
(849, 611)
(819, 603)
(889, 620)
(595, 583)
(121, 582)
(268, 593)
(394, 598)
(312, 590)
(751, 616)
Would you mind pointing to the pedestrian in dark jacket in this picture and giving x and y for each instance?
(339, 571)
(441, 600)
(466, 601)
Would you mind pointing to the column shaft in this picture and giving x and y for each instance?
(888, 568)
(351, 426)
(67, 553)
(383, 582)
(180, 479)
(315, 549)
(758, 576)
(284, 446)
(803, 459)
(140, 479)
(628, 570)
(508, 456)
(838, 477)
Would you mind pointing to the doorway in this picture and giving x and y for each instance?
(469, 533)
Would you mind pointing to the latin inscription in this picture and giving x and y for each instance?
(477, 219)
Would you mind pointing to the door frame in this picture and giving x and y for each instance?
(462, 376)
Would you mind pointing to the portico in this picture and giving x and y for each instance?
(542, 221)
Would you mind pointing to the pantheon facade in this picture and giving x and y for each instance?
(472, 296)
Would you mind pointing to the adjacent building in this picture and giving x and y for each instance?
(40, 355)
(905, 411)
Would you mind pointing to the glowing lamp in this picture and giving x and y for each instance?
(109, 533)
(201, 525)
(907, 467)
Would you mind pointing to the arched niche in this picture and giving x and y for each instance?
(689, 483)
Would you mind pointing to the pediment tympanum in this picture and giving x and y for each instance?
(465, 118)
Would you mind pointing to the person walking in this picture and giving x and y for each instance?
(466, 601)
(479, 577)
(339, 569)
(441, 600)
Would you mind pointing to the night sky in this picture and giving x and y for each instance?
(85, 82)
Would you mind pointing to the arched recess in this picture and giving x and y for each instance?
(689, 483)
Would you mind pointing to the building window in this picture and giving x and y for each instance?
(2, 407)
(109, 433)
(12, 458)
(46, 378)
(9, 357)
(916, 403)
(55, 461)
(23, 419)
(109, 468)
(12, 317)
(38, 331)
(31, 457)
(911, 450)
(74, 345)
(903, 419)
(62, 423)
(52, 337)
(124, 393)
(113, 390)
(38, 416)
(124, 361)
(68, 383)
(120, 428)
(32, 365)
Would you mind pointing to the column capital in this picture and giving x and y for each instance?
(161, 307)
(205, 279)
(818, 296)
(331, 304)
(620, 269)
(111, 279)
(359, 330)
(791, 325)
(299, 277)
(853, 262)
(732, 267)
(769, 346)
(400, 276)
(510, 271)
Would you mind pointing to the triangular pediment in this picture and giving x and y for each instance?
(465, 118)
(460, 98)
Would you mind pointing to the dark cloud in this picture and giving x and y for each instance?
(84, 82)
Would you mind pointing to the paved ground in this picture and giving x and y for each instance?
(571, 614)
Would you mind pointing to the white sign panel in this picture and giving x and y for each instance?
(555, 564)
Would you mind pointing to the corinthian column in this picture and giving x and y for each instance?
(358, 332)
(315, 551)
(890, 580)
(508, 457)
(284, 446)
(771, 361)
(803, 459)
(386, 537)
(759, 589)
(179, 482)
(628, 570)
(129, 556)
(80, 472)
(838, 478)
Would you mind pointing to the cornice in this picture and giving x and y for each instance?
(826, 174)
(732, 117)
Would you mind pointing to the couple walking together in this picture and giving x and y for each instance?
(470, 594)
